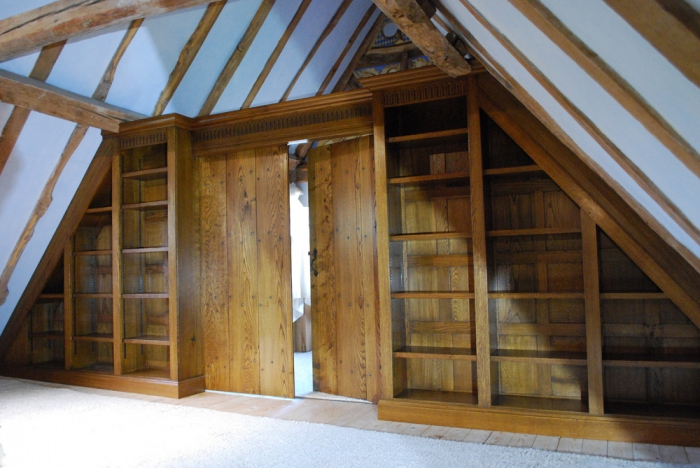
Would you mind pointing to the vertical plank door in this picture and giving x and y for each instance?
(345, 332)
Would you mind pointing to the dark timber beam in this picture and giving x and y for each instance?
(276, 53)
(41, 97)
(89, 185)
(326, 32)
(415, 23)
(74, 141)
(610, 81)
(594, 132)
(347, 74)
(188, 54)
(13, 128)
(671, 26)
(236, 58)
(61, 20)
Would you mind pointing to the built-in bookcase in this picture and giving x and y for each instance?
(116, 305)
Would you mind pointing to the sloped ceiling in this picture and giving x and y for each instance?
(631, 150)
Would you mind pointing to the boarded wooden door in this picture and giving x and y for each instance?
(246, 272)
(344, 293)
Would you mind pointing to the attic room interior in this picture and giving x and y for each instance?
(491, 235)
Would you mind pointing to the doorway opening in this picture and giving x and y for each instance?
(301, 284)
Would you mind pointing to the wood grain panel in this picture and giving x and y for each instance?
(323, 285)
(242, 215)
(366, 210)
(214, 273)
(274, 273)
(350, 316)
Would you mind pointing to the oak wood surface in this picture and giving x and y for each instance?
(236, 57)
(614, 84)
(15, 123)
(281, 43)
(415, 23)
(330, 27)
(188, 54)
(93, 177)
(47, 99)
(64, 19)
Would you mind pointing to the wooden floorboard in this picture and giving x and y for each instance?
(364, 416)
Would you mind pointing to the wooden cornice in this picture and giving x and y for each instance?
(412, 78)
(41, 97)
(410, 17)
(63, 19)
(338, 114)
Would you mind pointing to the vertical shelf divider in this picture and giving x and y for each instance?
(173, 171)
(68, 312)
(594, 336)
(384, 291)
(481, 301)
(117, 244)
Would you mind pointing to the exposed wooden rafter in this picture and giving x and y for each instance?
(188, 54)
(671, 26)
(609, 80)
(393, 54)
(63, 19)
(276, 53)
(41, 97)
(410, 17)
(236, 58)
(74, 141)
(610, 148)
(94, 175)
(348, 45)
(648, 250)
(345, 77)
(326, 32)
(626, 215)
(14, 125)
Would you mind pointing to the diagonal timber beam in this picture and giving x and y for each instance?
(188, 54)
(609, 80)
(236, 58)
(276, 53)
(348, 73)
(41, 97)
(74, 141)
(63, 19)
(415, 23)
(533, 106)
(601, 139)
(348, 46)
(649, 251)
(13, 128)
(671, 26)
(96, 172)
(326, 32)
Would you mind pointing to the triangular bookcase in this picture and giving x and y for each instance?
(113, 314)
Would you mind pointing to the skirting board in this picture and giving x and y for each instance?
(121, 383)
(563, 424)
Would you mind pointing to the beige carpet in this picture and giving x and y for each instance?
(50, 427)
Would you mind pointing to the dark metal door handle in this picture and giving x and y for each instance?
(313, 260)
